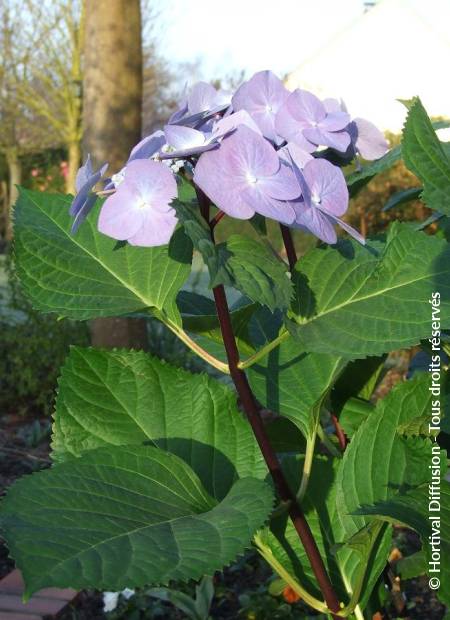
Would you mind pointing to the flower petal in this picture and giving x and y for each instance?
(210, 176)
(154, 182)
(121, 216)
(306, 107)
(314, 221)
(156, 229)
(83, 212)
(351, 231)
(327, 183)
(232, 121)
(292, 129)
(283, 185)
(368, 139)
(84, 173)
(278, 210)
(262, 97)
(335, 121)
(148, 146)
(201, 98)
(339, 140)
(182, 138)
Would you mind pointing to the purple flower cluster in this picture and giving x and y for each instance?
(259, 150)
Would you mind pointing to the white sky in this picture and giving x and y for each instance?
(228, 36)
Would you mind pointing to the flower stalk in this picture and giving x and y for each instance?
(252, 411)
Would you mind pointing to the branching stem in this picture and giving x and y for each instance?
(251, 409)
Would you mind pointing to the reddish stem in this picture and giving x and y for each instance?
(342, 438)
(216, 219)
(252, 410)
(285, 493)
(289, 246)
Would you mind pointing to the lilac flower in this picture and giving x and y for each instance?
(262, 96)
(185, 141)
(304, 119)
(292, 153)
(324, 199)
(139, 211)
(201, 104)
(245, 176)
(84, 200)
(367, 140)
(146, 148)
(232, 121)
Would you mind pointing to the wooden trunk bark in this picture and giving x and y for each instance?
(112, 103)
(74, 156)
(15, 178)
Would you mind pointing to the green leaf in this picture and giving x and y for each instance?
(115, 398)
(200, 317)
(282, 539)
(83, 276)
(378, 463)
(357, 180)
(411, 566)
(352, 302)
(425, 157)
(412, 510)
(353, 414)
(240, 262)
(350, 567)
(402, 197)
(359, 379)
(126, 517)
(294, 383)
(253, 269)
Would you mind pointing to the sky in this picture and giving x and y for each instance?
(231, 36)
(330, 47)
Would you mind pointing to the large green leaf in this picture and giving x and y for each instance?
(357, 180)
(356, 568)
(295, 383)
(249, 266)
(424, 156)
(282, 539)
(86, 275)
(379, 462)
(354, 302)
(114, 398)
(126, 516)
(412, 510)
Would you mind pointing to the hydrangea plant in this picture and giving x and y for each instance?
(162, 475)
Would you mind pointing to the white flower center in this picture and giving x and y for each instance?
(142, 204)
(118, 177)
(268, 108)
(316, 198)
(251, 179)
(314, 123)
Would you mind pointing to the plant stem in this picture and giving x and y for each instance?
(196, 348)
(289, 246)
(307, 465)
(264, 350)
(251, 409)
(339, 433)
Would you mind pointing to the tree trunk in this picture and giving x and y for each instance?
(15, 178)
(74, 153)
(112, 102)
